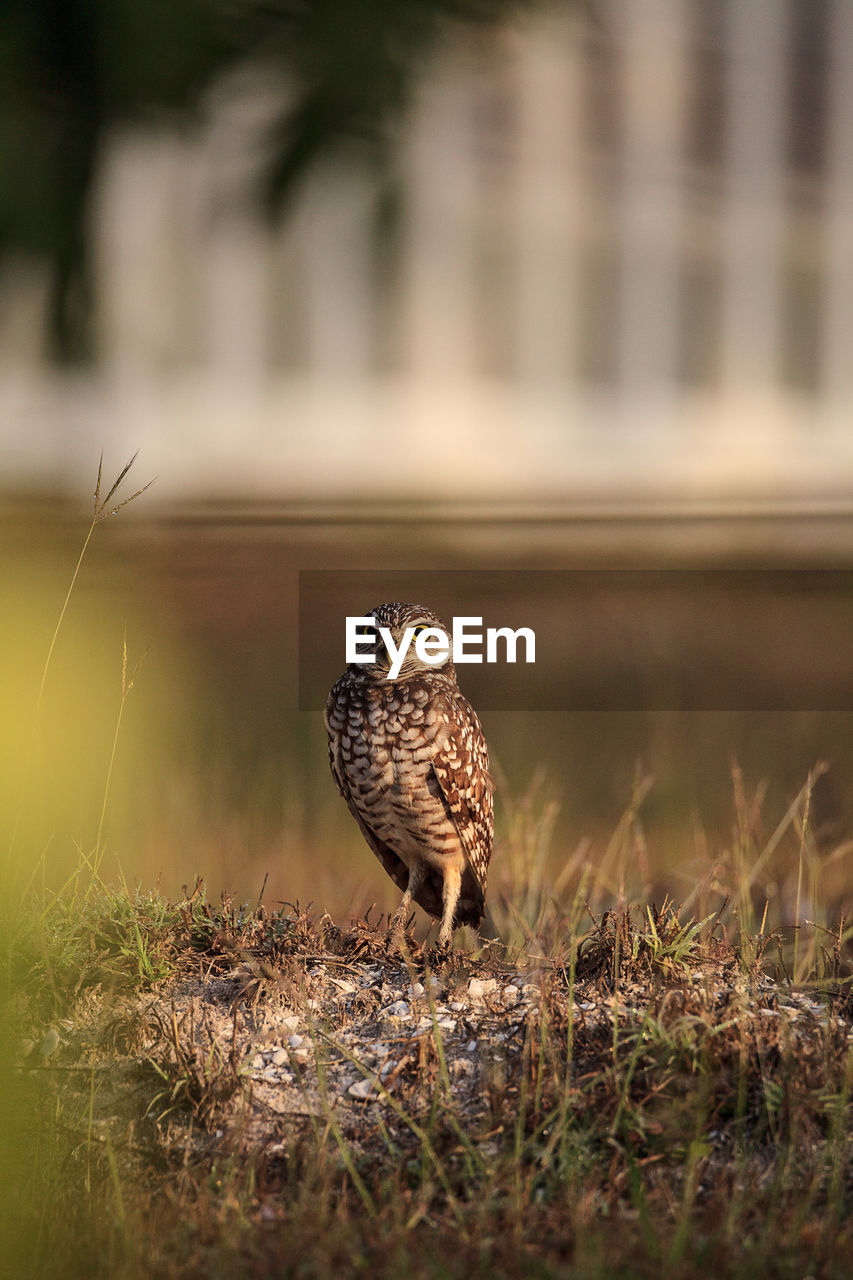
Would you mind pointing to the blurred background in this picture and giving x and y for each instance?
(423, 286)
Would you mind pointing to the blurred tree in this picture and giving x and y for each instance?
(72, 69)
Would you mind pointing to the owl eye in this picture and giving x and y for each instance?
(417, 631)
(366, 633)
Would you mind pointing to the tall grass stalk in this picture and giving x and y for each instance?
(610, 873)
(127, 683)
(335, 1129)
(101, 511)
(804, 833)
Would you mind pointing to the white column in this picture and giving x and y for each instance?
(332, 229)
(140, 275)
(549, 198)
(438, 320)
(237, 256)
(755, 54)
(654, 83)
(235, 247)
(838, 263)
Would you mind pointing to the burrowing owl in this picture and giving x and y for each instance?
(409, 757)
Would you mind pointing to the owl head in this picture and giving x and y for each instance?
(404, 623)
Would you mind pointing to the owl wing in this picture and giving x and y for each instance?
(460, 769)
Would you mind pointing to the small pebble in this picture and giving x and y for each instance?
(280, 1058)
(49, 1043)
(363, 1089)
(399, 1009)
(295, 1041)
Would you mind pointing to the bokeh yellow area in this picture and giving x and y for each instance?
(57, 740)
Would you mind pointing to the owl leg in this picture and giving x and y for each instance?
(417, 874)
(450, 897)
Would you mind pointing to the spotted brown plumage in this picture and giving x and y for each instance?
(410, 759)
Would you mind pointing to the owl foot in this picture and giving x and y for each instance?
(441, 955)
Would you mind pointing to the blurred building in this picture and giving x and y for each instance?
(613, 259)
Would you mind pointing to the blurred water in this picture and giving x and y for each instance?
(218, 772)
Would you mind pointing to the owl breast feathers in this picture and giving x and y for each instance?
(410, 759)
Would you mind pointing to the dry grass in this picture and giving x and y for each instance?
(668, 1091)
(669, 1098)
